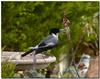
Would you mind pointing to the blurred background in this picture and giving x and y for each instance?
(25, 24)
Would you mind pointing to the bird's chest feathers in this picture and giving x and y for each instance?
(55, 36)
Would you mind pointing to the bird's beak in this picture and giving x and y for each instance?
(62, 30)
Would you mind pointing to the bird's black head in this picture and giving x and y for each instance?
(54, 30)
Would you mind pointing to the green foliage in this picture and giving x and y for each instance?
(24, 24)
(7, 69)
(67, 75)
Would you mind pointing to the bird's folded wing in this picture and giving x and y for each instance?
(50, 40)
(46, 39)
(47, 45)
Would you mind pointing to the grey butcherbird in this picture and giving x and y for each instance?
(48, 43)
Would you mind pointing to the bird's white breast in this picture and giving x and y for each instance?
(56, 36)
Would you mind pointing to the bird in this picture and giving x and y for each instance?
(48, 43)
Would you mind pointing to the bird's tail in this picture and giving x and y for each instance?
(26, 53)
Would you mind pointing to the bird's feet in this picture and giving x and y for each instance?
(21, 57)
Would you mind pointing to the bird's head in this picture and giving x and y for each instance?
(54, 31)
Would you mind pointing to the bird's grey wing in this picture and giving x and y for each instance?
(50, 40)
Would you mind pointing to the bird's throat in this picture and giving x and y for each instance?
(55, 35)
